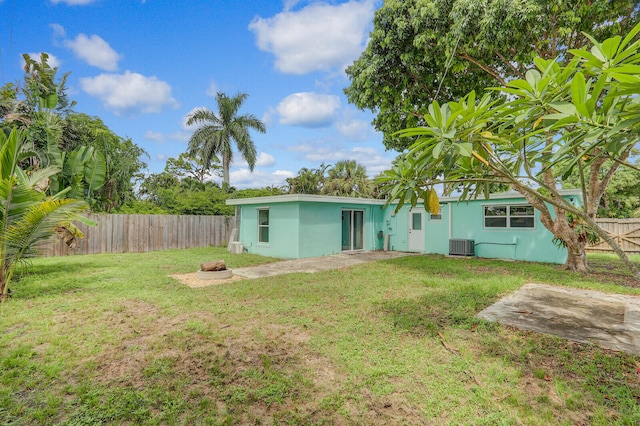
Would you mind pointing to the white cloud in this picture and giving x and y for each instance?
(316, 152)
(268, 116)
(166, 137)
(318, 37)
(308, 109)
(52, 61)
(154, 136)
(355, 130)
(95, 51)
(243, 178)
(185, 118)
(265, 160)
(73, 2)
(129, 93)
(58, 30)
(212, 90)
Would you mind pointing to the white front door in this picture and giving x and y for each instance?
(416, 230)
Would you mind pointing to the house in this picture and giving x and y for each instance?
(299, 225)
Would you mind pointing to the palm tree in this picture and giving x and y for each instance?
(27, 215)
(348, 178)
(217, 131)
(307, 181)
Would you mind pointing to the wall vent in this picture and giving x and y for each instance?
(461, 248)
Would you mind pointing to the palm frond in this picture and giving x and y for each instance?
(38, 224)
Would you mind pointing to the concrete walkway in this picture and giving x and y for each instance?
(316, 264)
(609, 320)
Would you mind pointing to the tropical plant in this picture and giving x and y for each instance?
(216, 133)
(348, 178)
(559, 120)
(27, 215)
(55, 132)
(308, 181)
(425, 50)
(83, 172)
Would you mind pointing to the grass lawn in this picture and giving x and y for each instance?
(113, 339)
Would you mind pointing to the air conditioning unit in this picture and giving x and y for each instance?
(461, 248)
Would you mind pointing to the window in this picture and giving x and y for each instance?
(520, 216)
(437, 216)
(263, 225)
(416, 219)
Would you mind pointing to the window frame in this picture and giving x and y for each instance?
(436, 217)
(261, 226)
(508, 217)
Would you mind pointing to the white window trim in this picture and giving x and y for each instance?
(268, 225)
(364, 223)
(508, 216)
(431, 218)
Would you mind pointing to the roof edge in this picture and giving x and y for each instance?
(288, 198)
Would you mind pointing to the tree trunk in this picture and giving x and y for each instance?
(225, 172)
(577, 258)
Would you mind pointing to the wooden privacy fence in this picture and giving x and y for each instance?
(136, 233)
(625, 232)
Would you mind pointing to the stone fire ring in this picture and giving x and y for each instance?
(215, 275)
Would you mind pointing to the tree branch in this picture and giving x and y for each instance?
(485, 68)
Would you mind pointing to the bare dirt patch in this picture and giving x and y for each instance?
(192, 280)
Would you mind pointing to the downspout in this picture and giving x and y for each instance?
(450, 214)
(374, 241)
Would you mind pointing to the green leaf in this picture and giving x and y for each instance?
(595, 51)
(564, 107)
(95, 171)
(630, 36)
(437, 149)
(578, 89)
(609, 47)
(434, 111)
(464, 148)
(533, 77)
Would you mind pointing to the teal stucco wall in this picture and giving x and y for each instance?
(309, 226)
(284, 227)
(530, 244)
(437, 232)
(465, 220)
(299, 229)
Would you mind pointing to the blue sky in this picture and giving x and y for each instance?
(143, 65)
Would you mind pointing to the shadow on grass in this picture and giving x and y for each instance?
(589, 374)
(51, 279)
(59, 268)
(603, 269)
(427, 315)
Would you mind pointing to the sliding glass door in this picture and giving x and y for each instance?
(352, 230)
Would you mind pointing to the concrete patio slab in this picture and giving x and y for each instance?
(316, 264)
(609, 320)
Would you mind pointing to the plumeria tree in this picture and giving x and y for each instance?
(539, 130)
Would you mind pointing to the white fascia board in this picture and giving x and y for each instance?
(304, 198)
(288, 198)
(503, 196)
